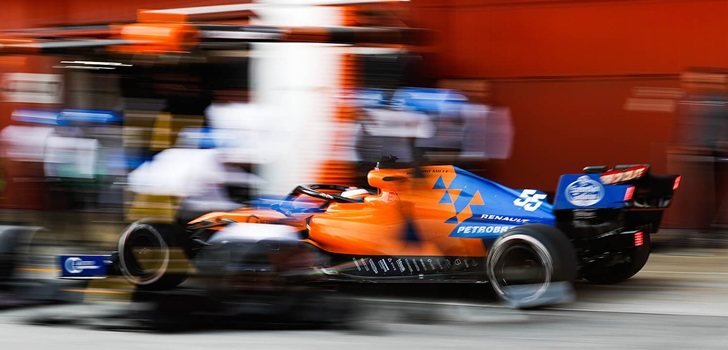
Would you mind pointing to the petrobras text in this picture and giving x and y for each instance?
(480, 229)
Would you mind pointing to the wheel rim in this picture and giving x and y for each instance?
(143, 254)
(520, 268)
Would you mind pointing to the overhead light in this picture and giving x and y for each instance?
(98, 63)
(37, 116)
(85, 67)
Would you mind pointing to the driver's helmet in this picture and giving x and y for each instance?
(354, 193)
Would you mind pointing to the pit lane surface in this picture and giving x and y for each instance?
(678, 301)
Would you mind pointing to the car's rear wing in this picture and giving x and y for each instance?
(622, 186)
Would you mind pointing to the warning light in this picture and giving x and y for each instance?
(639, 239)
(629, 193)
(677, 183)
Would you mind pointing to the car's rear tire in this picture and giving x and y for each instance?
(525, 263)
(151, 256)
(634, 261)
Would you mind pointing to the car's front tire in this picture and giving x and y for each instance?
(528, 264)
(151, 256)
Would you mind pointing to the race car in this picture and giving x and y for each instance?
(420, 224)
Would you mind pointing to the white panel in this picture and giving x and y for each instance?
(244, 232)
(32, 88)
(298, 83)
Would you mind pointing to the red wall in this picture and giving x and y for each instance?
(566, 68)
(563, 125)
(491, 38)
(24, 13)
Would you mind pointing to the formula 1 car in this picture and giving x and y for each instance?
(422, 224)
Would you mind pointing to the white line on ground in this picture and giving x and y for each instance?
(577, 309)
(686, 272)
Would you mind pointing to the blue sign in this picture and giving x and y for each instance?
(88, 116)
(83, 266)
(430, 100)
(67, 117)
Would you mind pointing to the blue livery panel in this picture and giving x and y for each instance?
(485, 209)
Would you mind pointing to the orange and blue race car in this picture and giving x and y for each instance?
(421, 224)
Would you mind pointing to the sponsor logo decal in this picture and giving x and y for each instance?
(505, 218)
(617, 176)
(478, 229)
(584, 192)
(83, 266)
(75, 265)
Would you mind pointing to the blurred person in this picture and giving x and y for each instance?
(255, 136)
(386, 130)
(390, 129)
(213, 168)
(702, 149)
(433, 125)
(84, 160)
(192, 176)
(75, 158)
(22, 149)
(488, 127)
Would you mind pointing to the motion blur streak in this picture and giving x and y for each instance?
(167, 166)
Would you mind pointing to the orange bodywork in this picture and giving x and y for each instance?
(404, 219)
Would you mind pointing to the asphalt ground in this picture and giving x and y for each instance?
(678, 301)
